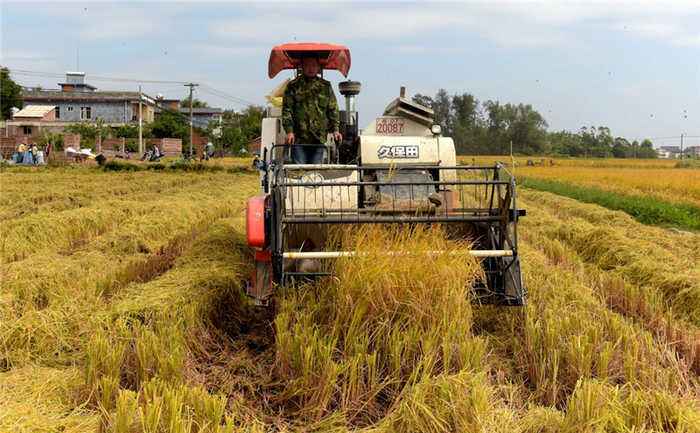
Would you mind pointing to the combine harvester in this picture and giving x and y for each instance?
(397, 170)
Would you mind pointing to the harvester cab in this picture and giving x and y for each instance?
(400, 169)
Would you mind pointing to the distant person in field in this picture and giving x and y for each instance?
(309, 113)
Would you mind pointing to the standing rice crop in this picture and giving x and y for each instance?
(137, 330)
(361, 341)
(669, 185)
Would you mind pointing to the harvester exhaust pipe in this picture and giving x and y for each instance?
(350, 89)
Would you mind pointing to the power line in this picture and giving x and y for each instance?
(206, 88)
(200, 123)
(224, 95)
(677, 137)
(92, 77)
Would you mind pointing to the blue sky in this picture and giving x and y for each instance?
(631, 65)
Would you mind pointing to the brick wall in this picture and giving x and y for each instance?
(8, 145)
(198, 143)
(169, 146)
(116, 144)
(254, 145)
(71, 140)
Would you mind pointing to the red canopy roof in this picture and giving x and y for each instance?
(288, 56)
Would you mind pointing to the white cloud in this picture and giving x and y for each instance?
(226, 50)
(688, 40)
(361, 23)
(675, 33)
(101, 20)
(14, 54)
(506, 23)
(30, 59)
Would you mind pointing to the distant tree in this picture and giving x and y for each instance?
(564, 143)
(597, 141)
(53, 138)
(442, 107)
(423, 100)
(170, 125)
(196, 103)
(646, 149)
(127, 131)
(526, 129)
(89, 132)
(495, 126)
(237, 129)
(250, 122)
(622, 148)
(520, 125)
(491, 126)
(10, 94)
(467, 130)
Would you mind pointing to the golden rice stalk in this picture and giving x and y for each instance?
(668, 184)
(568, 334)
(639, 261)
(383, 323)
(44, 400)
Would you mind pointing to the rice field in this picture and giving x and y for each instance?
(658, 192)
(639, 177)
(668, 184)
(522, 161)
(121, 311)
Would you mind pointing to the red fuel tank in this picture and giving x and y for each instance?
(255, 221)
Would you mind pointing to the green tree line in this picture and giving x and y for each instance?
(237, 129)
(490, 127)
(10, 94)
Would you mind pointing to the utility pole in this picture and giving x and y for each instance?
(191, 86)
(681, 146)
(140, 124)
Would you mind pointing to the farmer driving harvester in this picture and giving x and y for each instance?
(310, 113)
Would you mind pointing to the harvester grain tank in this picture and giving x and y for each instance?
(399, 169)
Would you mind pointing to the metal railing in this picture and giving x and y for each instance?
(346, 194)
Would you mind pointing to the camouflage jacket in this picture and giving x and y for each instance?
(309, 110)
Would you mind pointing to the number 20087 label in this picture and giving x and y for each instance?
(389, 126)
